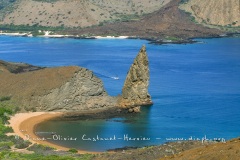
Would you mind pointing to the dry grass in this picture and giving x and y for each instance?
(219, 151)
(220, 12)
(80, 13)
(23, 86)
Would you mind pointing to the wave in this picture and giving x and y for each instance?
(106, 76)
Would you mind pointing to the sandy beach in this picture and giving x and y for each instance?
(47, 34)
(23, 125)
(13, 34)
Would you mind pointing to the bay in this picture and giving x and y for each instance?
(195, 88)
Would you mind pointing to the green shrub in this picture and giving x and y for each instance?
(4, 129)
(22, 144)
(73, 150)
(5, 98)
(28, 28)
(40, 149)
(4, 113)
(19, 142)
(9, 144)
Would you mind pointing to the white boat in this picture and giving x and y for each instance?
(115, 77)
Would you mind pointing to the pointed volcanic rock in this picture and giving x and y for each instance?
(135, 89)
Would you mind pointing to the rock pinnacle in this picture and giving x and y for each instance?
(135, 89)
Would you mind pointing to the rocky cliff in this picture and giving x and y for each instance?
(84, 91)
(135, 89)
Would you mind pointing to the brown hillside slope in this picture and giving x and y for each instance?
(77, 13)
(216, 12)
(168, 21)
(219, 151)
(24, 85)
(62, 89)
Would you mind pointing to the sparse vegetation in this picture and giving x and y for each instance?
(5, 3)
(6, 155)
(6, 6)
(103, 11)
(131, 17)
(203, 14)
(7, 109)
(41, 149)
(184, 1)
(5, 98)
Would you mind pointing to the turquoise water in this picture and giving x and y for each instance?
(195, 88)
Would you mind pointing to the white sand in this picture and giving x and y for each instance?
(111, 37)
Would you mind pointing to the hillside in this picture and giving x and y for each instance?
(46, 89)
(169, 23)
(220, 12)
(72, 13)
(219, 151)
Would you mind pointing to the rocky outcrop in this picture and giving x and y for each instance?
(83, 91)
(54, 89)
(18, 67)
(135, 89)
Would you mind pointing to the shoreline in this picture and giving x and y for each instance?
(155, 41)
(48, 35)
(23, 125)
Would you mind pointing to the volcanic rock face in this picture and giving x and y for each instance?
(135, 89)
(83, 91)
(54, 89)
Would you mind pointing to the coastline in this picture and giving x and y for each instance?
(151, 40)
(23, 125)
(47, 34)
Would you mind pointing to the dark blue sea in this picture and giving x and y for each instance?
(195, 89)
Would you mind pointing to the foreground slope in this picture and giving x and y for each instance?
(181, 150)
(218, 151)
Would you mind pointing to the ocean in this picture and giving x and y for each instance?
(195, 89)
